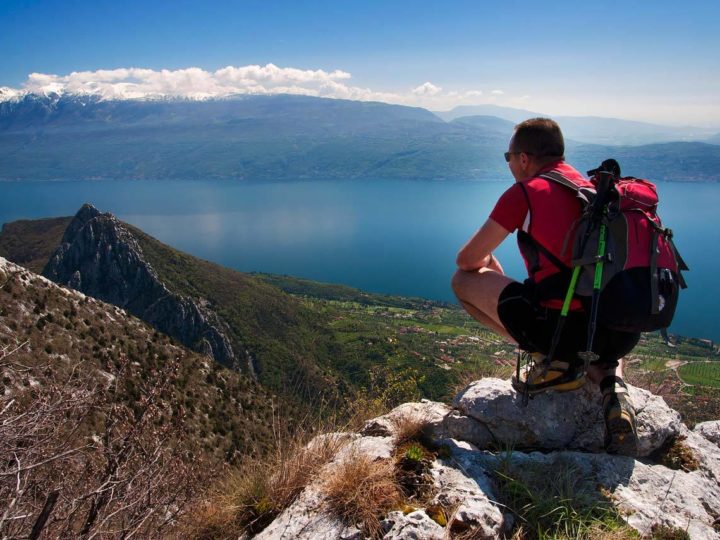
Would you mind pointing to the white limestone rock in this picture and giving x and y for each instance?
(472, 497)
(306, 519)
(489, 416)
(373, 447)
(706, 453)
(552, 421)
(646, 494)
(416, 525)
(709, 430)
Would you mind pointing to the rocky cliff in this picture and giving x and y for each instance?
(489, 456)
(101, 258)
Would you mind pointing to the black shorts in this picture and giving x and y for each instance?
(533, 326)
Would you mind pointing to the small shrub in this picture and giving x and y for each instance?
(667, 532)
(483, 370)
(412, 472)
(387, 389)
(360, 490)
(676, 455)
(414, 453)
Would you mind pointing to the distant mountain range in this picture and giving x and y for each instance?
(300, 137)
(593, 129)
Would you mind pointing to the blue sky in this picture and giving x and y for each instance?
(654, 61)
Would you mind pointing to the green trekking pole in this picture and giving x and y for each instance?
(588, 355)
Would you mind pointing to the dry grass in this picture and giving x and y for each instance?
(361, 490)
(260, 488)
(408, 427)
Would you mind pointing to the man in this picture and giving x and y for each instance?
(543, 212)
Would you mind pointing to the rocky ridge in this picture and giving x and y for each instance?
(228, 412)
(488, 430)
(101, 258)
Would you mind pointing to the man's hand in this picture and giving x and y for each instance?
(477, 253)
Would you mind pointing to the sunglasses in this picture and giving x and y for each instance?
(508, 154)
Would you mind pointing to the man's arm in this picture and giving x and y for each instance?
(477, 253)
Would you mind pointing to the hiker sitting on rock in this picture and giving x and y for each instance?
(543, 212)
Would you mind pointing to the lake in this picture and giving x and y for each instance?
(396, 237)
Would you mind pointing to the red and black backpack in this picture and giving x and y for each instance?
(641, 272)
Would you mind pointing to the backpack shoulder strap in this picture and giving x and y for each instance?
(555, 176)
(526, 238)
(585, 194)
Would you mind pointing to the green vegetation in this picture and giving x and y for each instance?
(705, 373)
(287, 339)
(666, 532)
(557, 500)
(323, 343)
(414, 453)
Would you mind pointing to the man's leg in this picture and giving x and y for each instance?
(597, 374)
(479, 292)
(618, 410)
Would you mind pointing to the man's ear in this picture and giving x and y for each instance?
(524, 160)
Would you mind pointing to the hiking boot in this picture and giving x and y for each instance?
(620, 429)
(557, 376)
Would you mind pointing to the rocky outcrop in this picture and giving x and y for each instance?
(101, 258)
(489, 433)
(488, 413)
(709, 430)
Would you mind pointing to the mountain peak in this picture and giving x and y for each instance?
(101, 257)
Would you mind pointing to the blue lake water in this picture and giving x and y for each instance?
(396, 237)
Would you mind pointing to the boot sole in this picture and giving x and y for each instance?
(534, 390)
(622, 437)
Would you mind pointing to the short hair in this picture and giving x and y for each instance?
(540, 137)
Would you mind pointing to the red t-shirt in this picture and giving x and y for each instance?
(553, 210)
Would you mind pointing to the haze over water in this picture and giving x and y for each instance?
(397, 237)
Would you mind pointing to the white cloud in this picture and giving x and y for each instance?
(196, 83)
(427, 89)
(129, 83)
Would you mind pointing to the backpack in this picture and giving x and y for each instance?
(637, 285)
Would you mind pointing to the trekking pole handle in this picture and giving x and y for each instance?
(606, 174)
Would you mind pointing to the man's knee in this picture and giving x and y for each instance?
(461, 280)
